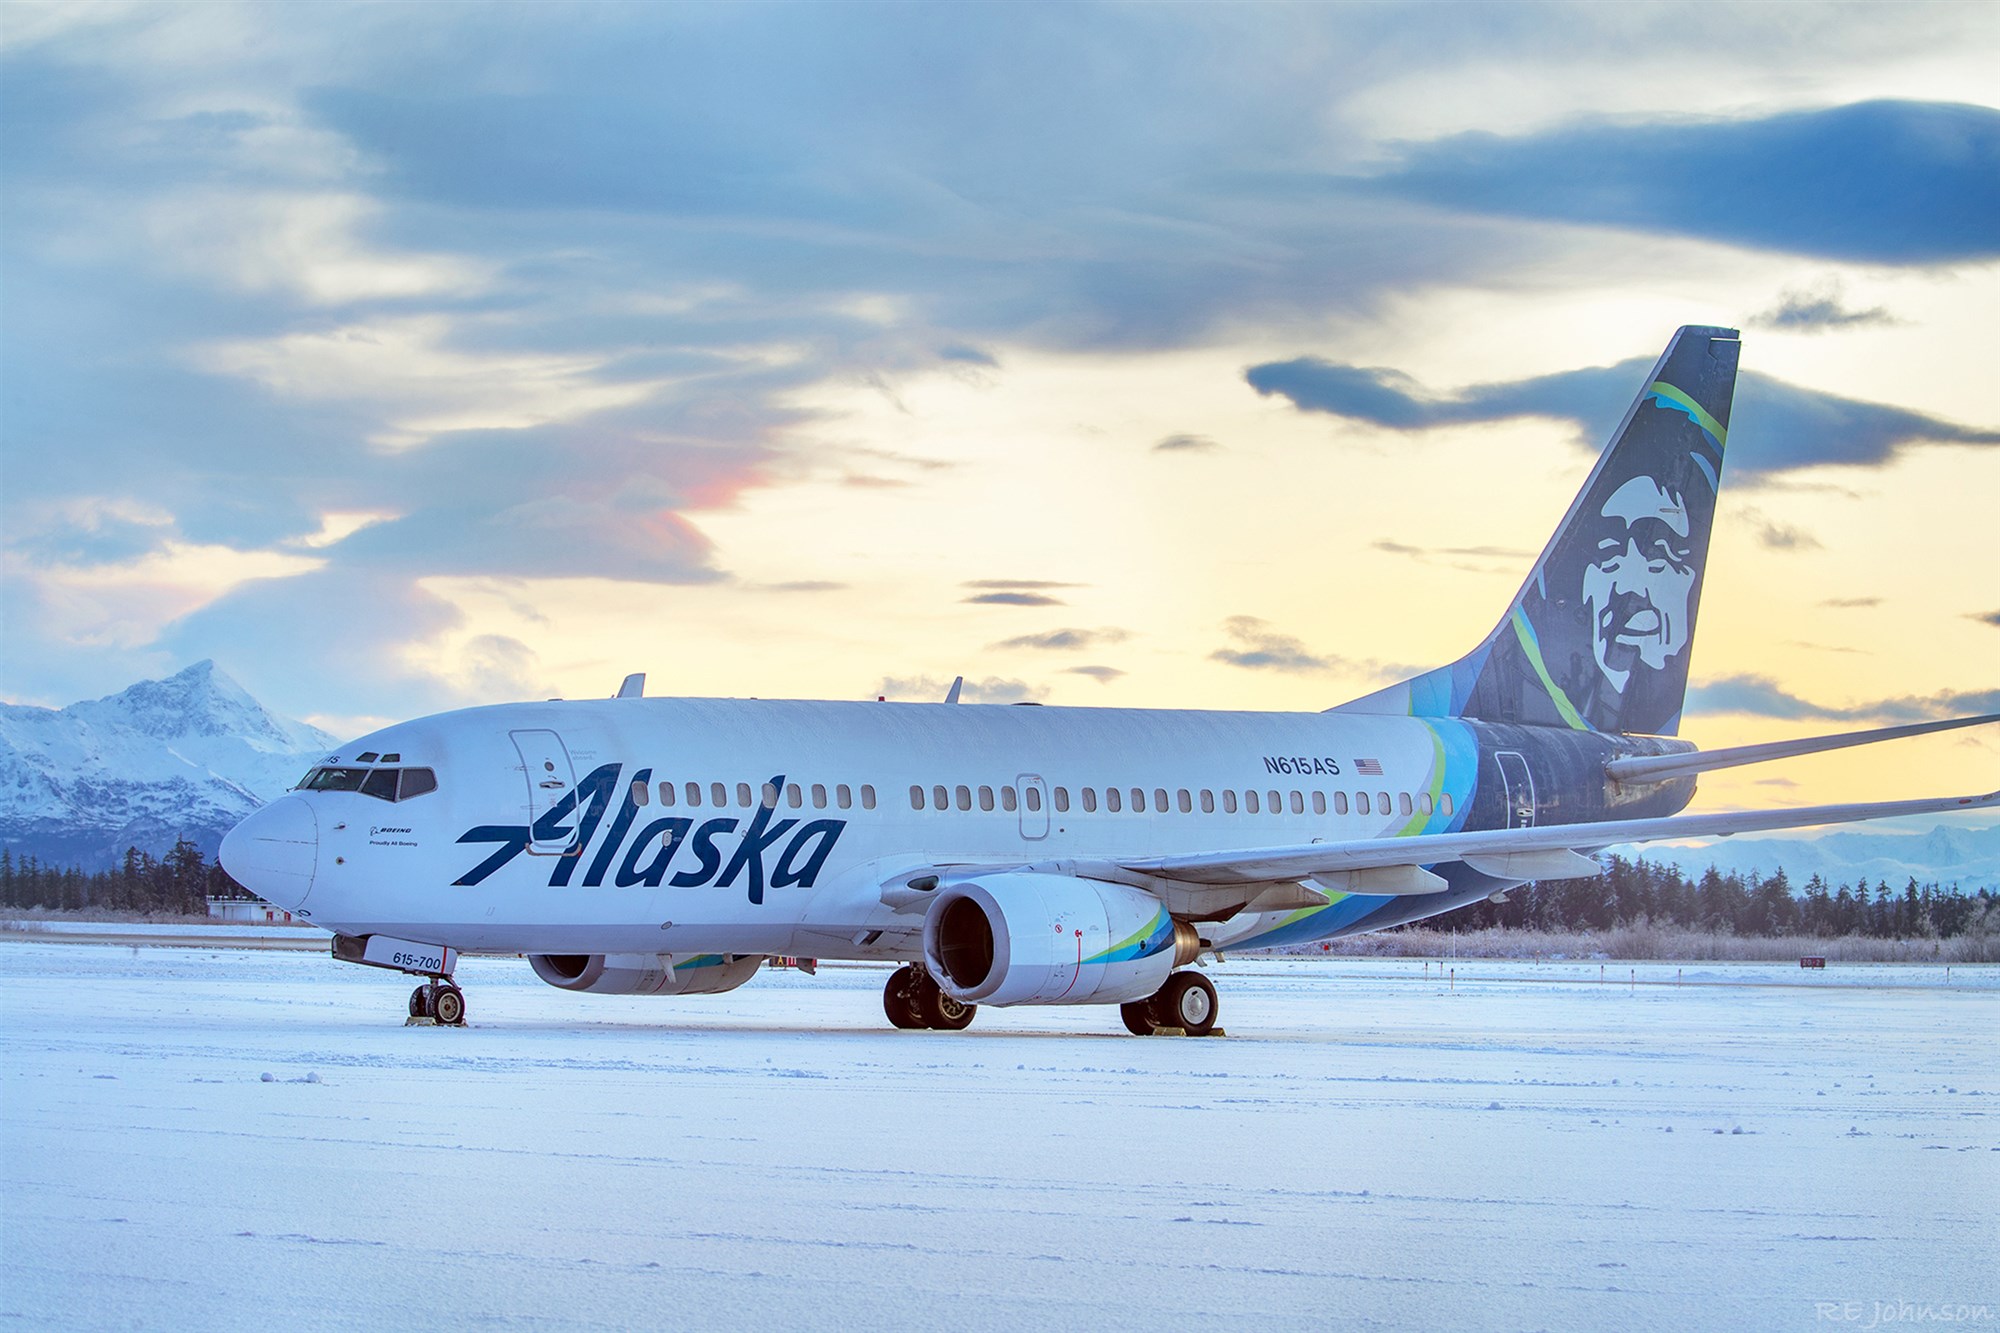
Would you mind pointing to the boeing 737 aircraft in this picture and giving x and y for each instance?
(1031, 855)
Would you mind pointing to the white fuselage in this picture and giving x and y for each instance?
(1021, 785)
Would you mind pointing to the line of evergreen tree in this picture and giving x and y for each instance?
(1631, 892)
(1627, 893)
(180, 882)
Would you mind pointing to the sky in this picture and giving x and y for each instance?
(403, 357)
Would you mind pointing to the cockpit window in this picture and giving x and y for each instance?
(384, 784)
(335, 779)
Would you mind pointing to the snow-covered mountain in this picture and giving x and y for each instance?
(188, 756)
(1943, 854)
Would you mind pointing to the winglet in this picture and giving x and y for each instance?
(957, 684)
(633, 688)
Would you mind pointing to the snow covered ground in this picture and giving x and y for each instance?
(232, 1138)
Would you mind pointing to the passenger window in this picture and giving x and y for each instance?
(1340, 803)
(1381, 802)
(1160, 799)
(1034, 795)
(843, 796)
(1403, 803)
(641, 793)
(1361, 802)
(381, 784)
(940, 798)
(1089, 799)
(964, 797)
(718, 795)
(666, 793)
(1185, 801)
(819, 796)
(916, 798)
(985, 798)
(1061, 797)
(1423, 802)
(1207, 801)
(794, 795)
(1112, 801)
(1277, 806)
(1319, 802)
(867, 797)
(694, 793)
(1298, 803)
(767, 795)
(417, 782)
(1250, 803)
(1444, 804)
(1229, 802)
(1008, 801)
(1138, 800)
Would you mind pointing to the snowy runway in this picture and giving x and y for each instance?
(1374, 1147)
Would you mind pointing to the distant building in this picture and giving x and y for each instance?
(248, 910)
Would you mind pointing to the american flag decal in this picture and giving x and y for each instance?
(1368, 768)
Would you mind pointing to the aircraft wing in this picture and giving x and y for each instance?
(1550, 851)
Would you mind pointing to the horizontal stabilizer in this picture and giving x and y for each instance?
(1667, 767)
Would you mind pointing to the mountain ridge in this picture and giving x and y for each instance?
(187, 756)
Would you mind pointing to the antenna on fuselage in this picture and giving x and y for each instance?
(633, 688)
(957, 684)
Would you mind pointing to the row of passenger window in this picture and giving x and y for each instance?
(794, 795)
(1118, 799)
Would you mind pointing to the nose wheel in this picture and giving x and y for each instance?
(438, 1001)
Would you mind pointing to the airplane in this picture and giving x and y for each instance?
(1030, 855)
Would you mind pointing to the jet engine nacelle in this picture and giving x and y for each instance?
(1023, 937)
(646, 973)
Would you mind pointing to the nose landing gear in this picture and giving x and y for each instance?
(437, 1002)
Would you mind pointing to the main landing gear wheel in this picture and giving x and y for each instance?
(1138, 1017)
(420, 1002)
(913, 1000)
(898, 998)
(1187, 1002)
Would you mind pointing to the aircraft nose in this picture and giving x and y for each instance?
(275, 852)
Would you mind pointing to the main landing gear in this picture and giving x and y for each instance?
(913, 1000)
(438, 1001)
(1186, 1002)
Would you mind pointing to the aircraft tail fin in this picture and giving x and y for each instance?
(1598, 638)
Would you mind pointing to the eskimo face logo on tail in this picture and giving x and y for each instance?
(653, 850)
(1639, 584)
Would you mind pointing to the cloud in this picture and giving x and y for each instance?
(1851, 603)
(970, 356)
(1186, 444)
(1017, 585)
(1103, 675)
(1065, 640)
(1985, 617)
(1013, 599)
(1259, 648)
(1816, 312)
(1884, 182)
(1463, 552)
(1774, 426)
(1761, 696)
(1782, 536)
(805, 585)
